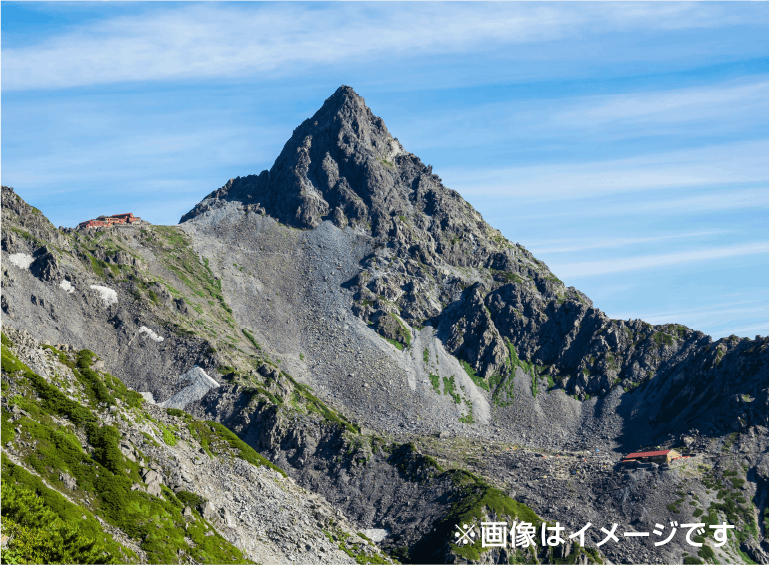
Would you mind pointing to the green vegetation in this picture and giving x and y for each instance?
(189, 498)
(503, 389)
(503, 386)
(356, 551)
(478, 380)
(103, 477)
(468, 418)
(415, 466)
(513, 360)
(44, 527)
(448, 388)
(252, 339)
(218, 440)
(168, 433)
(426, 356)
(436, 382)
(6, 340)
(28, 236)
(178, 413)
(403, 331)
(734, 507)
(729, 441)
(256, 390)
(398, 345)
(661, 338)
(476, 500)
(706, 552)
(175, 251)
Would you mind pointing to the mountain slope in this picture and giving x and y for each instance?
(73, 432)
(367, 331)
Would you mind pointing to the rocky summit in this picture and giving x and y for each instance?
(338, 360)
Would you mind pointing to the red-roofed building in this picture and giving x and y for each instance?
(128, 218)
(665, 456)
(92, 224)
(106, 221)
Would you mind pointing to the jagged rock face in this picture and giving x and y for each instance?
(469, 332)
(342, 164)
(435, 261)
(337, 164)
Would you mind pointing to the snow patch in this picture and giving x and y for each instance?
(152, 335)
(198, 384)
(375, 534)
(148, 397)
(21, 260)
(67, 286)
(108, 295)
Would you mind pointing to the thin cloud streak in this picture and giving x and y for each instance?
(616, 242)
(724, 164)
(724, 107)
(720, 200)
(714, 319)
(764, 326)
(668, 107)
(669, 318)
(702, 311)
(205, 41)
(593, 268)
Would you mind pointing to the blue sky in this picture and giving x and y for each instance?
(624, 144)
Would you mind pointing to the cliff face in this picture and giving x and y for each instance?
(361, 325)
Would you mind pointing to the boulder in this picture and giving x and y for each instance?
(207, 510)
(68, 481)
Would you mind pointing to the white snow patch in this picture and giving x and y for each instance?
(375, 534)
(21, 260)
(148, 397)
(67, 286)
(199, 384)
(152, 335)
(108, 295)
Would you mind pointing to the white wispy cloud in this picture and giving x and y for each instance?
(692, 315)
(572, 245)
(719, 320)
(745, 330)
(719, 108)
(144, 158)
(644, 262)
(201, 41)
(719, 102)
(722, 164)
(666, 204)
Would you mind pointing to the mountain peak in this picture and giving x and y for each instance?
(341, 164)
(344, 96)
